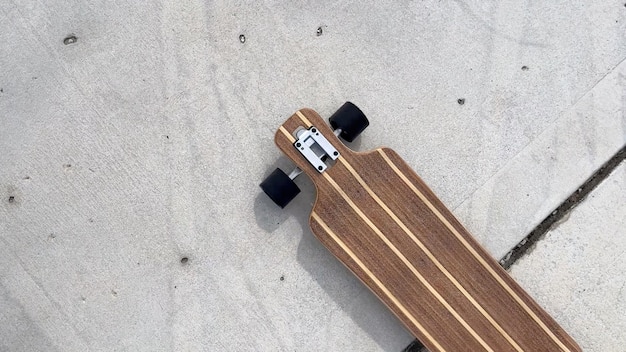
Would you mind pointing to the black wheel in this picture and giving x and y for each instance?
(415, 346)
(350, 119)
(280, 188)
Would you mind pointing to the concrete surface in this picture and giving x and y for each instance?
(577, 270)
(144, 141)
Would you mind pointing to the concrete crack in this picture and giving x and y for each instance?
(598, 82)
(560, 214)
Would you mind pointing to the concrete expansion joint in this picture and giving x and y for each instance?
(561, 213)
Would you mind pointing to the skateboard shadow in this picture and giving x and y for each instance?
(346, 291)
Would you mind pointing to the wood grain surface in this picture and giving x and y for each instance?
(379, 219)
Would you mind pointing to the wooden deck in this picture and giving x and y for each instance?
(379, 218)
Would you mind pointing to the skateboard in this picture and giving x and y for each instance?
(376, 215)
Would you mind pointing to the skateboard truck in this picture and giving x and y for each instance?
(347, 122)
(315, 148)
(297, 171)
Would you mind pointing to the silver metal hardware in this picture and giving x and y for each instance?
(295, 173)
(314, 147)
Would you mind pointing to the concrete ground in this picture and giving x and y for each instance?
(133, 137)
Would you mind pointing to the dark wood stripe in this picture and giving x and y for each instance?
(418, 260)
(396, 306)
(425, 250)
(363, 241)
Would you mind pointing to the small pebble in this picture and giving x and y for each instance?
(242, 38)
(70, 39)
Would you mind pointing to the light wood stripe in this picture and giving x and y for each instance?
(406, 262)
(304, 119)
(375, 280)
(473, 251)
(430, 255)
(287, 134)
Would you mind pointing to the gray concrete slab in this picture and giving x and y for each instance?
(577, 270)
(143, 142)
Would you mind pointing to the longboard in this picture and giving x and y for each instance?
(376, 215)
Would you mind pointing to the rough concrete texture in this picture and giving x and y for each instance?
(577, 270)
(143, 140)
